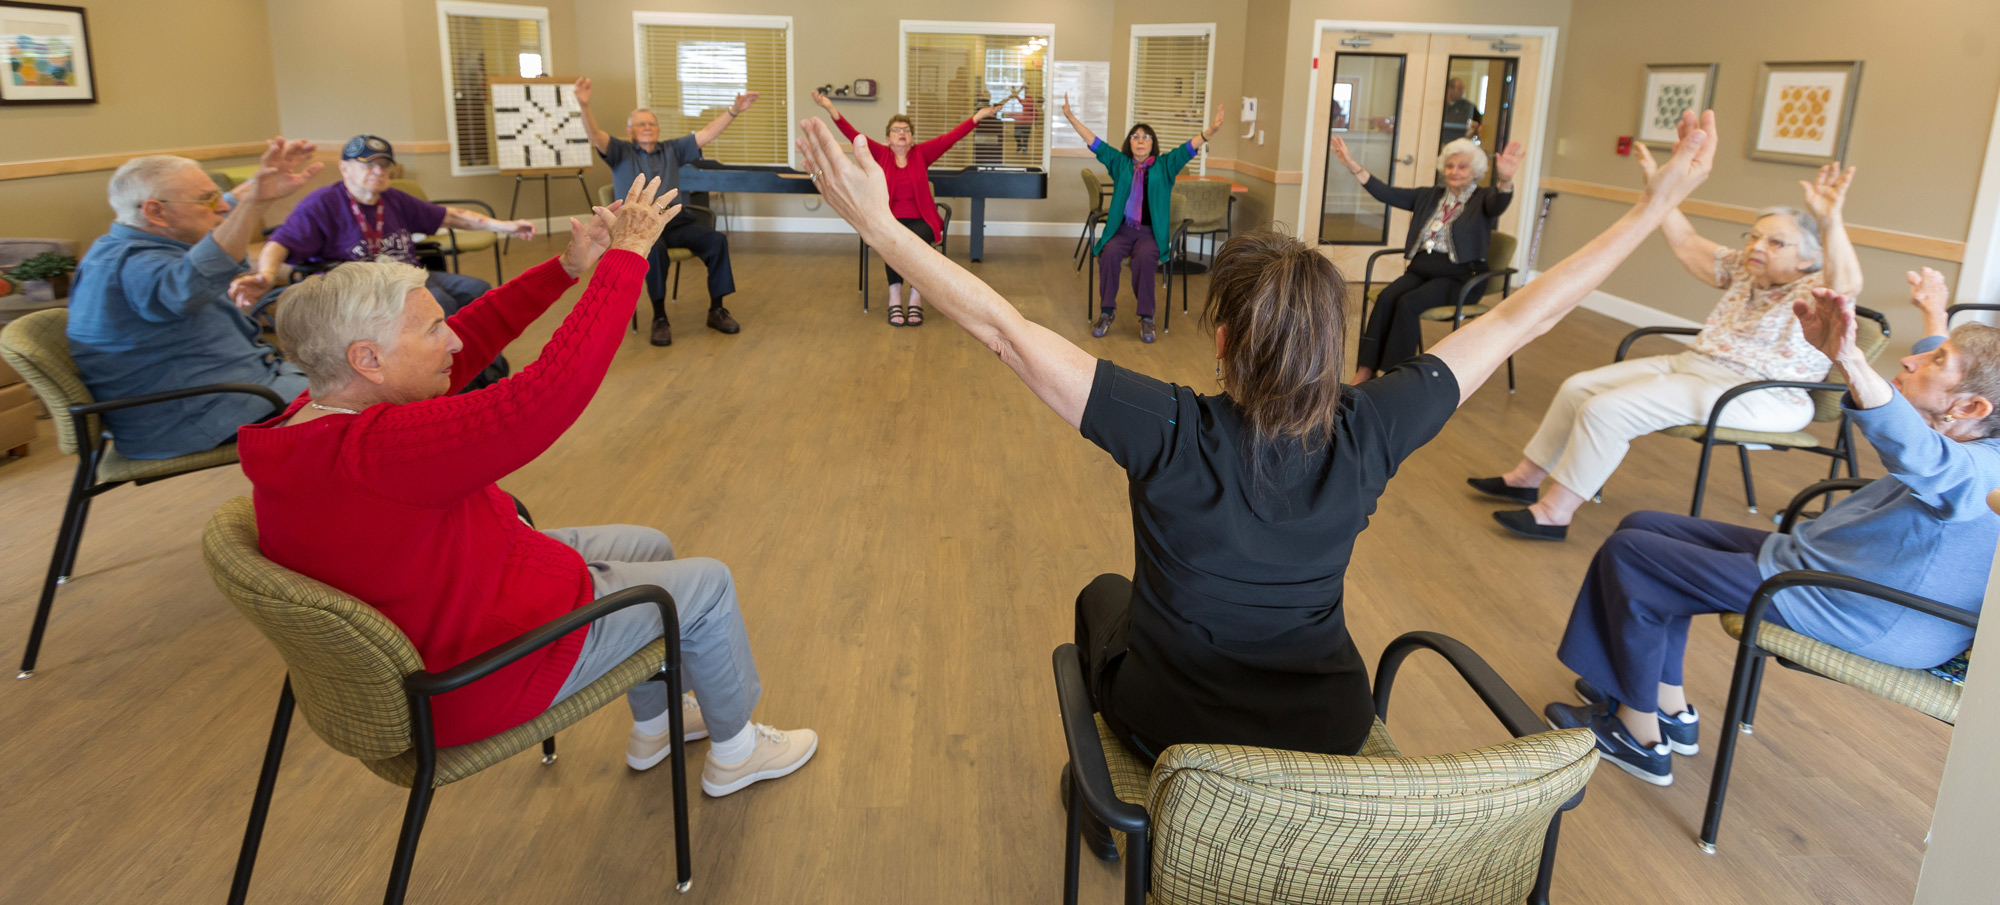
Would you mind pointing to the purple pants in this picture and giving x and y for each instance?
(1137, 243)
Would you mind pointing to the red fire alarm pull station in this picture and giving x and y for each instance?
(1624, 145)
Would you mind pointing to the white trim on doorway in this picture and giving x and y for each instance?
(1979, 275)
(1528, 184)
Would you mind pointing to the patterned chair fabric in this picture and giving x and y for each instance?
(1251, 825)
(1207, 204)
(1499, 254)
(1917, 689)
(348, 661)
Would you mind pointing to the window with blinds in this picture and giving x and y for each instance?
(484, 41)
(691, 68)
(1169, 80)
(949, 74)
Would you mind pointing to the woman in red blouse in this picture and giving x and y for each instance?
(379, 481)
(906, 164)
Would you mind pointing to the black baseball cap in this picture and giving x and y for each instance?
(368, 147)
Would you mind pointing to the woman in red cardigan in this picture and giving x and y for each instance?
(906, 164)
(379, 481)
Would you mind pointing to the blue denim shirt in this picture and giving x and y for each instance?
(148, 314)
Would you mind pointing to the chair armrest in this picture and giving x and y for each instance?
(1474, 287)
(1514, 713)
(1625, 345)
(1091, 773)
(1955, 310)
(1798, 503)
(1368, 272)
(1760, 604)
(425, 683)
(488, 208)
(1729, 396)
(112, 405)
(1878, 317)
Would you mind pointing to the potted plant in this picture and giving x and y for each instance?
(49, 267)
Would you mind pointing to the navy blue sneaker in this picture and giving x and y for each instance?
(1654, 765)
(1682, 730)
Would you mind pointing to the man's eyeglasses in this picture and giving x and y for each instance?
(212, 200)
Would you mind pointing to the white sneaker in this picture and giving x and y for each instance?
(776, 754)
(643, 752)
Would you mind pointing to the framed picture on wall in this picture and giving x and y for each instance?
(1673, 89)
(1805, 111)
(46, 51)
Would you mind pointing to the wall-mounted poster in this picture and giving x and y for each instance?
(1673, 89)
(1805, 111)
(44, 55)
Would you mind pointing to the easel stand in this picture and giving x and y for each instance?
(547, 212)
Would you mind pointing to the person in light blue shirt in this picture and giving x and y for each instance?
(1925, 528)
(150, 310)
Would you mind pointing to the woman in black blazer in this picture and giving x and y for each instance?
(1449, 228)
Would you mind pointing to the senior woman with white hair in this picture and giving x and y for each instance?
(1751, 335)
(380, 482)
(1450, 226)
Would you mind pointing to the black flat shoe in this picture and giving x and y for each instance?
(1498, 487)
(1522, 522)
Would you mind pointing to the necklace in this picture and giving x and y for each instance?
(331, 408)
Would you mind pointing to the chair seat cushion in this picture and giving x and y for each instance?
(116, 467)
(1695, 432)
(458, 762)
(1916, 689)
(1444, 312)
(679, 254)
(469, 240)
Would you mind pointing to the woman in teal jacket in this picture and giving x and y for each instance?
(1136, 226)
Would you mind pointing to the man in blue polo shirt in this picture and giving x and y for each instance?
(150, 310)
(646, 156)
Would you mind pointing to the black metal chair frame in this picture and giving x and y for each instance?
(1090, 784)
(943, 245)
(1473, 287)
(1954, 310)
(1749, 675)
(85, 487)
(1177, 241)
(499, 273)
(685, 208)
(1842, 450)
(424, 685)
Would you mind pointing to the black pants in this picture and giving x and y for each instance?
(710, 246)
(1103, 623)
(923, 231)
(1394, 331)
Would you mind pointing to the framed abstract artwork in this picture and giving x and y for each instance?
(1673, 89)
(44, 55)
(1805, 111)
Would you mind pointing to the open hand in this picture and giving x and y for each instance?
(583, 92)
(824, 102)
(1217, 123)
(1927, 291)
(985, 113)
(855, 188)
(1828, 322)
(517, 229)
(1065, 108)
(1694, 158)
(743, 102)
(1828, 191)
(285, 168)
(644, 216)
(1508, 161)
(1340, 151)
(1647, 165)
(247, 288)
(588, 242)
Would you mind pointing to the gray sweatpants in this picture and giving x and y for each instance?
(715, 650)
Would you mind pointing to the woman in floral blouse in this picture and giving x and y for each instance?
(1751, 335)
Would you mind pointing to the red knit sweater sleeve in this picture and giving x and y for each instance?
(437, 451)
(497, 318)
(936, 147)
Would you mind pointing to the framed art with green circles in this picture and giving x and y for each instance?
(1672, 89)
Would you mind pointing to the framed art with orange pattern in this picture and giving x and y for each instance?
(1805, 111)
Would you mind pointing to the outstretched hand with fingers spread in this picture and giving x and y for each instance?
(643, 217)
(1828, 322)
(854, 187)
(1694, 157)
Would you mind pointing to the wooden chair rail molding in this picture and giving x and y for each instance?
(1887, 239)
(329, 149)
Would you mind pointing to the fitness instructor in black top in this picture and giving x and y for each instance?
(1245, 504)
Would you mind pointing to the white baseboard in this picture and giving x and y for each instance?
(1631, 312)
(835, 225)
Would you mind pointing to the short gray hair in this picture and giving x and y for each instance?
(1476, 156)
(138, 182)
(1978, 348)
(319, 318)
(1809, 241)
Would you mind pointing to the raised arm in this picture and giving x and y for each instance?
(1472, 352)
(935, 148)
(708, 133)
(1082, 131)
(1929, 295)
(459, 218)
(1825, 196)
(599, 139)
(1695, 253)
(1202, 139)
(1058, 372)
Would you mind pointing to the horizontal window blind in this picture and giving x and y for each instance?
(951, 75)
(1170, 85)
(482, 48)
(690, 74)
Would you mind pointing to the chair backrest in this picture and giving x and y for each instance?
(1177, 210)
(1207, 204)
(347, 661)
(409, 187)
(1095, 187)
(1236, 824)
(1870, 339)
(37, 345)
(604, 195)
(1499, 255)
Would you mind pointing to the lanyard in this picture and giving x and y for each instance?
(371, 240)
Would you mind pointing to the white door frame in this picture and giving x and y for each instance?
(1527, 184)
(1979, 274)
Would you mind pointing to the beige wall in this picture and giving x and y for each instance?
(1921, 123)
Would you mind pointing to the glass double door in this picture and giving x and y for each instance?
(1394, 100)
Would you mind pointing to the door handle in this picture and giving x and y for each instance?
(1408, 160)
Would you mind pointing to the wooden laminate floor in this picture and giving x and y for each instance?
(908, 527)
